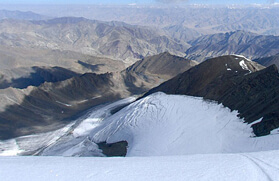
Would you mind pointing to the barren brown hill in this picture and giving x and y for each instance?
(163, 65)
(20, 65)
(51, 105)
(18, 57)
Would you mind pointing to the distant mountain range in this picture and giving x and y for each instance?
(239, 42)
(20, 15)
(114, 40)
(199, 18)
(128, 43)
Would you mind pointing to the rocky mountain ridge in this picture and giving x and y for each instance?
(237, 83)
(114, 40)
(267, 61)
(203, 19)
(248, 44)
(52, 104)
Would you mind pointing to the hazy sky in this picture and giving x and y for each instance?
(135, 1)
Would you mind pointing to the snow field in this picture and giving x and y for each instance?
(161, 124)
(77, 143)
(179, 137)
(262, 166)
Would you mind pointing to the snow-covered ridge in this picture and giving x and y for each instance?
(163, 124)
(241, 56)
(242, 63)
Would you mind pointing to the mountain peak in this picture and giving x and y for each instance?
(237, 83)
(164, 65)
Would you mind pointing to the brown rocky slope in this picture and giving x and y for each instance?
(52, 105)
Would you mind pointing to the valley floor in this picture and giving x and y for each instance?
(246, 166)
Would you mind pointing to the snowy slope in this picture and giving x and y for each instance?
(163, 124)
(157, 125)
(262, 166)
(181, 130)
(70, 140)
(31, 143)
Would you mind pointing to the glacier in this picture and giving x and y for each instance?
(157, 125)
(161, 124)
(170, 137)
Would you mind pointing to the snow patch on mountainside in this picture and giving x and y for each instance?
(68, 105)
(244, 66)
(163, 124)
(241, 56)
(228, 68)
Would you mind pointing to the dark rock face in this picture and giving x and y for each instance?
(267, 61)
(254, 94)
(199, 80)
(114, 149)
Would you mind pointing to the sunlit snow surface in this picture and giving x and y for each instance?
(180, 137)
(156, 125)
(163, 124)
(244, 66)
(261, 166)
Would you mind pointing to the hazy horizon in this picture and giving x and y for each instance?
(134, 2)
